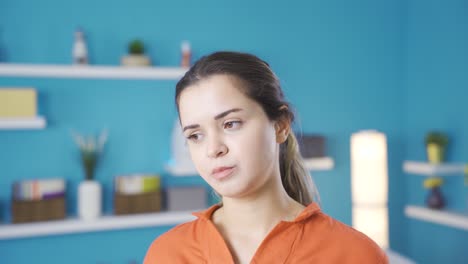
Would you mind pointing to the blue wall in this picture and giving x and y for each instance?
(437, 84)
(341, 63)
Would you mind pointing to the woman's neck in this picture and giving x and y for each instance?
(258, 213)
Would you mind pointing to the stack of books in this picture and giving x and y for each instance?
(137, 194)
(39, 189)
(38, 200)
(137, 184)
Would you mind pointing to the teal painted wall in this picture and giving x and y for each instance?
(437, 84)
(341, 64)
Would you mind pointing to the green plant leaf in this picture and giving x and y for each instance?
(136, 47)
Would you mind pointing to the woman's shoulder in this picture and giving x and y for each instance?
(174, 243)
(181, 232)
(340, 239)
(184, 242)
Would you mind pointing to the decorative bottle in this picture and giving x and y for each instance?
(186, 54)
(80, 52)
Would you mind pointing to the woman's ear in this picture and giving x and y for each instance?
(282, 128)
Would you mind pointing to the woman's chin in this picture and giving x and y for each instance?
(234, 192)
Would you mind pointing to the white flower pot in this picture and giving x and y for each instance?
(89, 200)
(135, 60)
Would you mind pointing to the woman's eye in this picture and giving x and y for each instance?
(194, 137)
(232, 124)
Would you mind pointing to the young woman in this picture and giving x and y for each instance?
(238, 128)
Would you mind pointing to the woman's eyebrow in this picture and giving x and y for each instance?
(218, 116)
(190, 127)
(225, 113)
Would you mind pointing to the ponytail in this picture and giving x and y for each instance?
(295, 177)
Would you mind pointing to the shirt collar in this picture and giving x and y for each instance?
(207, 213)
(308, 211)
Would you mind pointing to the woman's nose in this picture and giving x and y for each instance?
(216, 148)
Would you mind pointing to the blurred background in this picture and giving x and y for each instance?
(399, 67)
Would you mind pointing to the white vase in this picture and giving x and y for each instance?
(135, 60)
(89, 200)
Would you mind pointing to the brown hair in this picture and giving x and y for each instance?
(261, 85)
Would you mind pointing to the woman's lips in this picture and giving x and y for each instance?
(222, 172)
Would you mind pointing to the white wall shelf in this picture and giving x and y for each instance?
(396, 258)
(74, 225)
(428, 169)
(91, 71)
(22, 123)
(313, 164)
(317, 164)
(181, 170)
(443, 217)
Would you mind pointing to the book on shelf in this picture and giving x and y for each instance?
(137, 184)
(39, 189)
(18, 102)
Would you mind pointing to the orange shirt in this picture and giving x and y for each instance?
(313, 237)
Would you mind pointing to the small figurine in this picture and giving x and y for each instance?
(186, 54)
(80, 52)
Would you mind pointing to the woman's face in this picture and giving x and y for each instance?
(232, 142)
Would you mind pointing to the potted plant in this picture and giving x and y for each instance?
(434, 199)
(136, 54)
(90, 191)
(436, 143)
